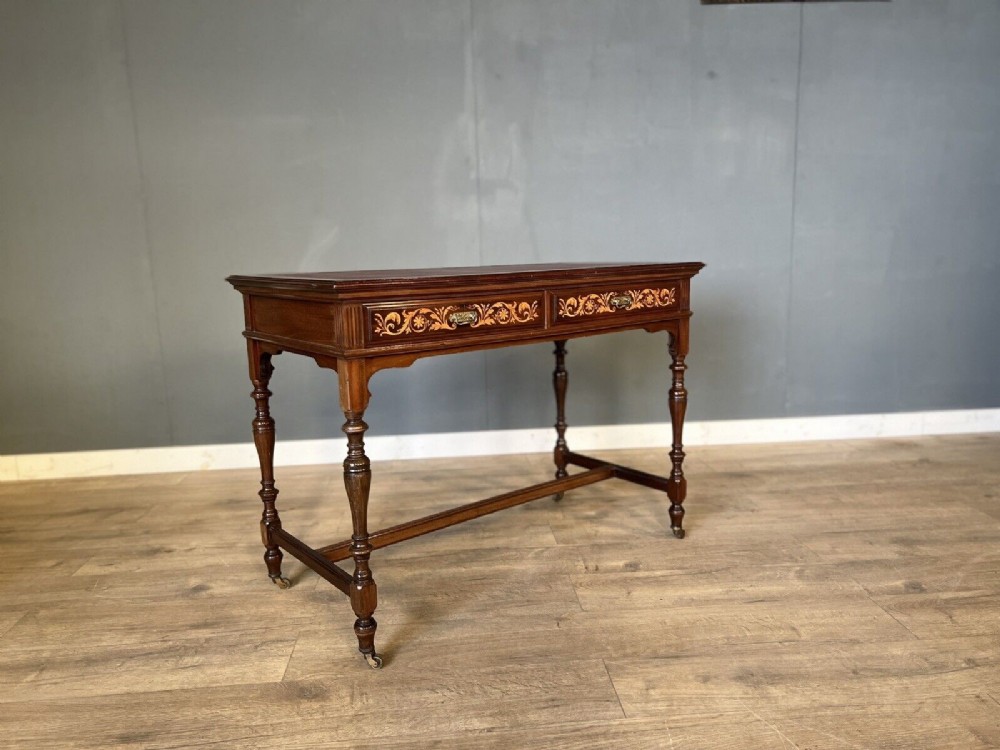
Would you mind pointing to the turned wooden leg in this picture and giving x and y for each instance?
(559, 380)
(263, 438)
(677, 487)
(357, 480)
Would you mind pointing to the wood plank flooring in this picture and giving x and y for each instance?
(828, 595)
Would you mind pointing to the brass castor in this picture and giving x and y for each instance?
(679, 533)
(281, 582)
(374, 661)
(558, 496)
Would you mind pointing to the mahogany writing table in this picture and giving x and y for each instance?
(357, 323)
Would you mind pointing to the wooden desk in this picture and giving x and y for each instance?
(358, 323)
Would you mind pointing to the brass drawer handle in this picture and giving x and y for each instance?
(621, 301)
(463, 317)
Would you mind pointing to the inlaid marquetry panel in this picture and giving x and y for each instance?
(429, 319)
(580, 305)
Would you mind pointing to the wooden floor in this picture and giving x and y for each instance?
(828, 595)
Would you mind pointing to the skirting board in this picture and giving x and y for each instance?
(496, 442)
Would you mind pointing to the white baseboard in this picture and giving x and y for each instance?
(496, 442)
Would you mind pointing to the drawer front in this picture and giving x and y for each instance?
(580, 305)
(422, 320)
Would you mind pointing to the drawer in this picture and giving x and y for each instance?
(578, 305)
(435, 319)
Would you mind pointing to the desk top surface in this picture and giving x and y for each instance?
(347, 281)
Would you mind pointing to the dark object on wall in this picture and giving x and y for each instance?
(747, 2)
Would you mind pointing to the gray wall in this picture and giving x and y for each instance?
(837, 165)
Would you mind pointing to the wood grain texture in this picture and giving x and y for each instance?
(809, 607)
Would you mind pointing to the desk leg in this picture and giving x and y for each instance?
(263, 438)
(559, 381)
(677, 488)
(357, 480)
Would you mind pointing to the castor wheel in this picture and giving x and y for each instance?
(558, 496)
(374, 661)
(679, 533)
(281, 582)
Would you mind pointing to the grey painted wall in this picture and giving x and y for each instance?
(836, 165)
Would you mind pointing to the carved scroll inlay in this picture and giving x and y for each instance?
(427, 319)
(610, 302)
